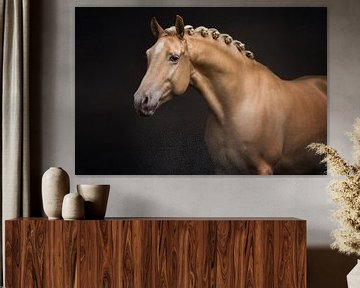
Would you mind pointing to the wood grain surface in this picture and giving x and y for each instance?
(241, 253)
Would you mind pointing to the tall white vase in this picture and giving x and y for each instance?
(353, 278)
(55, 185)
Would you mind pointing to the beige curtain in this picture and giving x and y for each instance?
(14, 43)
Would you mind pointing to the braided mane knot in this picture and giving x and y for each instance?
(215, 34)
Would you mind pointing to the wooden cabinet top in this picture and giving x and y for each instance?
(271, 219)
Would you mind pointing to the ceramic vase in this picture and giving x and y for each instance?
(55, 185)
(96, 198)
(73, 207)
(353, 278)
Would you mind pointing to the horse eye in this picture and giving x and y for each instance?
(174, 58)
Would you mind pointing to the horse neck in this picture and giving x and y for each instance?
(221, 73)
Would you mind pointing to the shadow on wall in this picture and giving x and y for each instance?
(140, 207)
(328, 268)
(37, 12)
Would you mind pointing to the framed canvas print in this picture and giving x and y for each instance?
(197, 91)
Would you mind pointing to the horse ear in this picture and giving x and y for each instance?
(179, 25)
(156, 29)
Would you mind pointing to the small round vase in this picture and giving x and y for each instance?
(73, 207)
(55, 185)
(96, 198)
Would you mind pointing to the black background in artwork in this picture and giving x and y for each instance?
(110, 63)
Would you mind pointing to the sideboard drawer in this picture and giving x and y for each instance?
(156, 252)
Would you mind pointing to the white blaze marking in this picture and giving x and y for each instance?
(159, 47)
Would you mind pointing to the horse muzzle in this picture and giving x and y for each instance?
(145, 105)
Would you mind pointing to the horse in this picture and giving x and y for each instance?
(259, 123)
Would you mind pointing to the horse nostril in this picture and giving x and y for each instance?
(145, 100)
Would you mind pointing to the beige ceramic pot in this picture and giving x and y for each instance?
(54, 186)
(73, 207)
(96, 198)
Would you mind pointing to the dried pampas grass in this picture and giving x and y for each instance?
(345, 192)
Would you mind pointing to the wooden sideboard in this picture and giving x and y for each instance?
(156, 252)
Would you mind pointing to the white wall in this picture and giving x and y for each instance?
(303, 197)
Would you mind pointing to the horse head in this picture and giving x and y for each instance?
(168, 71)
